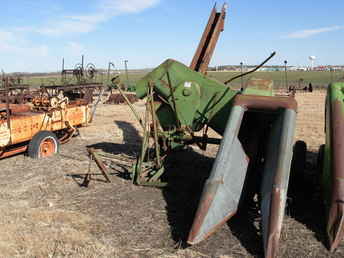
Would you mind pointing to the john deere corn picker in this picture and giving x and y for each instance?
(257, 131)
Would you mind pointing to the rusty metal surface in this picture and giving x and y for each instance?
(25, 125)
(99, 163)
(275, 179)
(16, 98)
(80, 72)
(48, 109)
(335, 225)
(10, 152)
(223, 189)
(14, 93)
(73, 92)
(119, 99)
(16, 108)
(266, 103)
(209, 39)
(72, 87)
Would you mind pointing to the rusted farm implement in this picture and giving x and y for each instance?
(331, 164)
(50, 116)
(118, 98)
(257, 130)
(15, 91)
(80, 73)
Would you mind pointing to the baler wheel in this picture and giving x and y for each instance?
(43, 144)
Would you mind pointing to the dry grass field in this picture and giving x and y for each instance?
(44, 212)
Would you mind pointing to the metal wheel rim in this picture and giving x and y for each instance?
(47, 148)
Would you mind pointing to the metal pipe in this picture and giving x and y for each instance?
(131, 107)
(82, 62)
(126, 71)
(99, 163)
(109, 67)
(286, 74)
(242, 78)
(8, 113)
(331, 70)
(252, 71)
(96, 104)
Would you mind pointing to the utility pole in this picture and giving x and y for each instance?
(3, 77)
(286, 74)
(109, 68)
(331, 70)
(82, 62)
(242, 78)
(126, 72)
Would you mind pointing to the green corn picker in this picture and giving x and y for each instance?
(258, 133)
(331, 164)
(257, 130)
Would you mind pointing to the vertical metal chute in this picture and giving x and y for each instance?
(209, 39)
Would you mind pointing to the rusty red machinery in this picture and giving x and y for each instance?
(49, 118)
(80, 73)
(15, 92)
(211, 34)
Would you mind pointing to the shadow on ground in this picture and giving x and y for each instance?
(186, 174)
(187, 171)
(129, 148)
(305, 199)
(131, 141)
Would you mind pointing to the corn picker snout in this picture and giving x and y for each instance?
(332, 164)
(255, 152)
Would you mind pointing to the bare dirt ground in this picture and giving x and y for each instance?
(44, 212)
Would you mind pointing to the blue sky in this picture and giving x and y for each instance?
(35, 35)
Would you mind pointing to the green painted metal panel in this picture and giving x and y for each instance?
(196, 100)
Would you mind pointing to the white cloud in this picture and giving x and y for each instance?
(302, 34)
(10, 43)
(34, 51)
(75, 48)
(127, 6)
(84, 23)
(6, 36)
(20, 41)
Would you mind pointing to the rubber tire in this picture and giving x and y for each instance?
(34, 145)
